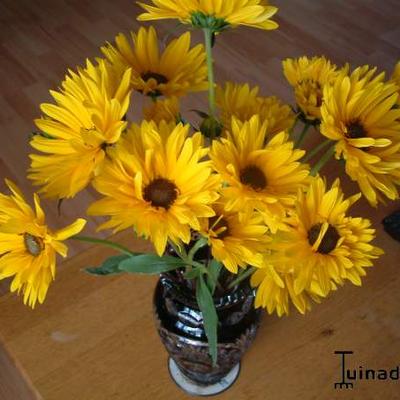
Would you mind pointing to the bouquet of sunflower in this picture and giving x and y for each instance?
(234, 200)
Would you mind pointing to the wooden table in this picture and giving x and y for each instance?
(94, 339)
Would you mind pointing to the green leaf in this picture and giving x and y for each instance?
(150, 264)
(109, 266)
(200, 113)
(210, 318)
(196, 272)
(214, 269)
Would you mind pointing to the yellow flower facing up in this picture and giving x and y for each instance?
(237, 239)
(162, 110)
(157, 183)
(360, 113)
(259, 175)
(177, 71)
(308, 77)
(78, 130)
(396, 79)
(253, 13)
(242, 102)
(325, 247)
(28, 247)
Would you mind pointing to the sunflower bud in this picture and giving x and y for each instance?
(211, 127)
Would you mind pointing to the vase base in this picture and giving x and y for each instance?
(194, 389)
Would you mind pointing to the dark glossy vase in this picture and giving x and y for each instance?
(180, 325)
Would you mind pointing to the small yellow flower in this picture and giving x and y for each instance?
(77, 132)
(28, 247)
(360, 113)
(237, 239)
(177, 71)
(243, 102)
(215, 14)
(157, 182)
(162, 110)
(325, 247)
(308, 77)
(260, 174)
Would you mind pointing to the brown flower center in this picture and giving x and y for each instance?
(219, 226)
(33, 244)
(253, 176)
(159, 78)
(161, 193)
(319, 99)
(104, 146)
(355, 130)
(328, 242)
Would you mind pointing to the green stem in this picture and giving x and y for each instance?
(198, 265)
(185, 257)
(302, 136)
(291, 130)
(107, 243)
(316, 150)
(181, 253)
(324, 159)
(198, 245)
(210, 68)
(125, 250)
(242, 277)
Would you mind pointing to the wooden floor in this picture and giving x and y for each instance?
(40, 39)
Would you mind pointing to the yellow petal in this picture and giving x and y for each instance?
(70, 230)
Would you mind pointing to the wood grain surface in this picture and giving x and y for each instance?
(94, 338)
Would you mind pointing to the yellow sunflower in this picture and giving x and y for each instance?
(324, 247)
(162, 110)
(396, 79)
(360, 113)
(214, 14)
(77, 131)
(237, 239)
(258, 175)
(242, 102)
(308, 77)
(28, 247)
(177, 71)
(157, 183)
